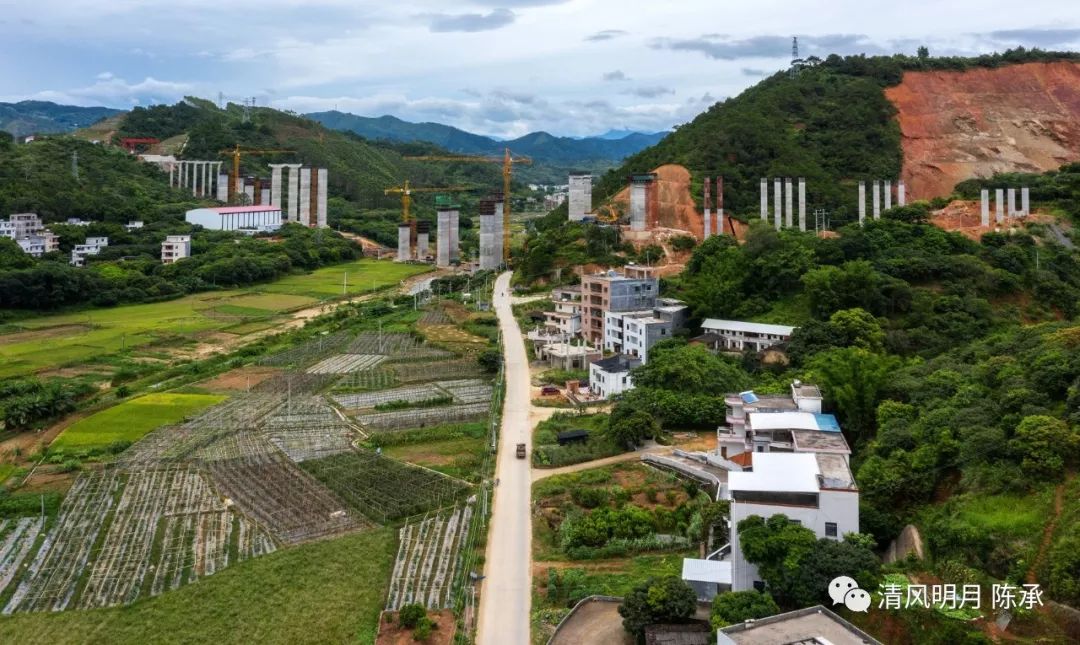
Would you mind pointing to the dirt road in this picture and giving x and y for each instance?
(651, 447)
(506, 590)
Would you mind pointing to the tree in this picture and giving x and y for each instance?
(922, 52)
(856, 327)
(657, 600)
(853, 378)
(1045, 445)
(777, 546)
(629, 426)
(688, 369)
(490, 360)
(737, 606)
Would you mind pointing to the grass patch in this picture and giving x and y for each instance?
(322, 592)
(548, 429)
(130, 420)
(459, 458)
(1013, 516)
(356, 277)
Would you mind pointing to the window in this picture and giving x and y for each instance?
(830, 529)
(761, 448)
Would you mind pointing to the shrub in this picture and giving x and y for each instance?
(663, 600)
(737, 606)
(410, 616)
(423, 630)
(590, 497)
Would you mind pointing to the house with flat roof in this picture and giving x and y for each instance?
(815, 490)
(566, 319)
(610, 376)
(738, 335)
(609, 291)
(175, 247)
(809, 626)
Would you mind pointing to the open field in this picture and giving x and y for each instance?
(55, 340)
(132, 419)
(363, 276)
(321, 592)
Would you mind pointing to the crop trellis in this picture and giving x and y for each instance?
(422, 417)
(109, 527)
(19, 536)
(389, 375)
(224, 431)
(290, 383)
(308, 429)
(395, 346)
(428, 559)
(385, 489)
(53, 575)
(312, 351)
(435, 317)
(291, 503)
(461, 391)
(345, 363)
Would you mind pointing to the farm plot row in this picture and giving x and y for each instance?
(461, 391)
(394, 345)
(122, 536)
(390, 375)
(309, 352)
(292, 504)
(428, 559)
(19, 536)
(224, 431)
(345, 363)
(434, 317)
(385, 489)
(308, 429)
(423, 417)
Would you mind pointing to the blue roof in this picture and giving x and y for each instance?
(748, 397)
(827, 423)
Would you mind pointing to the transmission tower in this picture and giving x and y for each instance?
(793, 71)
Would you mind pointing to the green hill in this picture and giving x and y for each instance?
(831, 123)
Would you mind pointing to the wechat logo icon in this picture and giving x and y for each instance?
(844, 589)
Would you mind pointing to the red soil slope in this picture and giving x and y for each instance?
(960, 125)
(675, 205)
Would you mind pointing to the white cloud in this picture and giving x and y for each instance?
(111, 90)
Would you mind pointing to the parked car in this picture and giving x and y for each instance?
(549, 390)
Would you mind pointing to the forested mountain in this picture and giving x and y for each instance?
(541, 146)
(43, 117)
(831, 123)
(63, 176)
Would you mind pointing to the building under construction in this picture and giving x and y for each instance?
(491, 232)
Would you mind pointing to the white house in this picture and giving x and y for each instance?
(737, 335)
(611, 376)
(566, 319)
(92, 246)
(175, 247)
(38, 245)
(815, 490)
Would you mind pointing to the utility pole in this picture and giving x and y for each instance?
(345, 284)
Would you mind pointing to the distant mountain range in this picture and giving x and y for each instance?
(42, 117)
(613, 145)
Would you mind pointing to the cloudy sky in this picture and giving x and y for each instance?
(497, 67)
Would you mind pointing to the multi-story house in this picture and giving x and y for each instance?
(778, 455)
(635, 332)
(175, 247)
(613, 291)
(92, 246)
(566, 319)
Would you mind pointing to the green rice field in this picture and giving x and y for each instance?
(52, 341)
(132, 419)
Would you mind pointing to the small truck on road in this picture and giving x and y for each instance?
(521, 451)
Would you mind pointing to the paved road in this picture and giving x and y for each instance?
(506, 589)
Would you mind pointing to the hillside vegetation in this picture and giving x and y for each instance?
(831, 124)
(42, 117)
(358, 170)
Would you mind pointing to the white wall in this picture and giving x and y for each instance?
(606, 384)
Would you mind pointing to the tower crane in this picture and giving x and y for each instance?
(406, 191)
(236, 153)
(507, 161)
